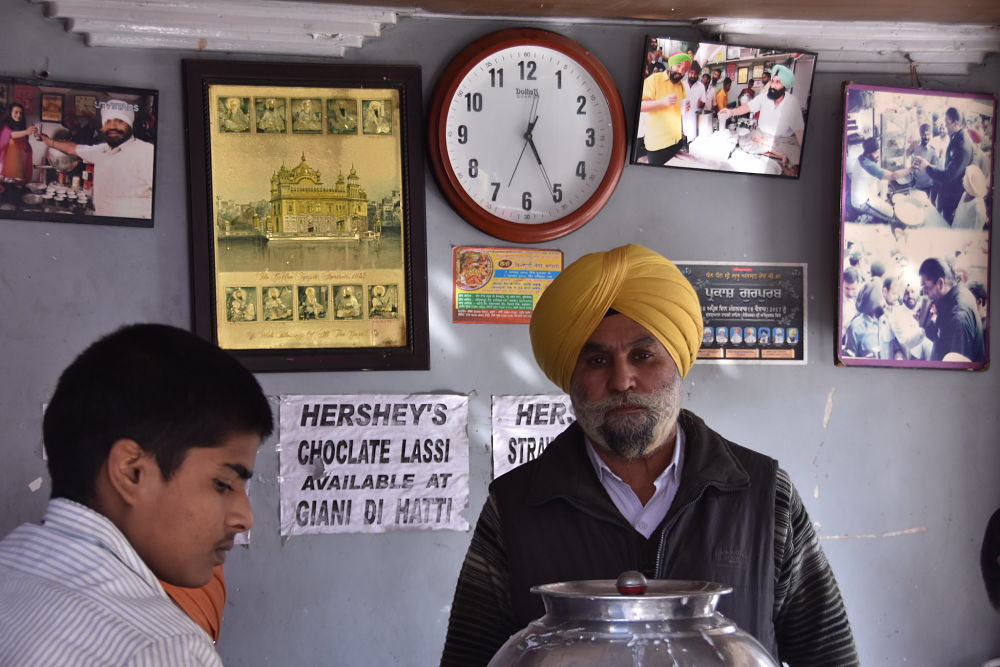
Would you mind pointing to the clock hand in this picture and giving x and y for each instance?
(527, 135)
(545, 175)
(538, 158)
(523, 148)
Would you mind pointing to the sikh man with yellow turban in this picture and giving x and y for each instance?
(663, 97)
(637, 483)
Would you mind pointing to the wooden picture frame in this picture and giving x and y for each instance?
(295, 223)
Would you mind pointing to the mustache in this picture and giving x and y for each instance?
(627, 399)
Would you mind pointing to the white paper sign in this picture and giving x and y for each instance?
(370, 463)
(524, 425)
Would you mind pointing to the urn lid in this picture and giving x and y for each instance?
(632, 597)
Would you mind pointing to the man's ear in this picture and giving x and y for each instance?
(129, 468)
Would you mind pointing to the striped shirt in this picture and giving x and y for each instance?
(73, 592)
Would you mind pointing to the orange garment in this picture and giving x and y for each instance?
(204, 605)
(722, 99)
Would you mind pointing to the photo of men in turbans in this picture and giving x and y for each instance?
(691, 114)
(916, 228)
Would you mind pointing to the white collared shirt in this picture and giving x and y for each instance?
(123, 178)
(74, 593)
(644, 518)
(784, 120)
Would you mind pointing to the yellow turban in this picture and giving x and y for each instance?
(635, 281)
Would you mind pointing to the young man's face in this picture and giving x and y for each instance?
(952, 126)
(186, 526)
(891, 295)
(934, 289)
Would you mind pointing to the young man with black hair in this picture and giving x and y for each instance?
(151, 436)
(957, 331)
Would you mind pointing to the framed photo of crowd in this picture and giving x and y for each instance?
(308, 231)
(77, 152)
(722, 107)
(917, 193)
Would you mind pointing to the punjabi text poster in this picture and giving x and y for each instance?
(500, 285)
(370, 463)
(753, 312)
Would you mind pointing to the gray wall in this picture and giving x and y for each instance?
(902, 449)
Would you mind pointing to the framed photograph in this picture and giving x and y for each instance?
(234, 114)
(85, 105)
(342, 116)
(271, 114)
(916, 196)
(308, 235)
(378, 116)
(52, 107)
(92, 162)
(706, 112)
(307, 115)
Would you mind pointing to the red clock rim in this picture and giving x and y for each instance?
(450, 79)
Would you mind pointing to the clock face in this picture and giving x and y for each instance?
(530, 143)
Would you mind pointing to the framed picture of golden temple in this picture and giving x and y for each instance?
(308, 237)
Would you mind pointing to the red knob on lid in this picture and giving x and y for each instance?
(631, 583)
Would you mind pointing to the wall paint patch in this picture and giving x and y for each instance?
(828, 411)
(873, 536)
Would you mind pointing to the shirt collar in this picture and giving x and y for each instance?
(673, 469)
(122, 146)
(80, 522)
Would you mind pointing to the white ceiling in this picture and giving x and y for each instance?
(328, 29)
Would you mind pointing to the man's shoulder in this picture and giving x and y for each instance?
(554, 456)
(699, 435)
(51, 601)
(88, 150)
(138, 146)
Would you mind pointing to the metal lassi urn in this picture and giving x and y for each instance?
(632, 622)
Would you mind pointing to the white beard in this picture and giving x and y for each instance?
(635, 435)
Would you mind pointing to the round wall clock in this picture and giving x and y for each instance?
(527, 135)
